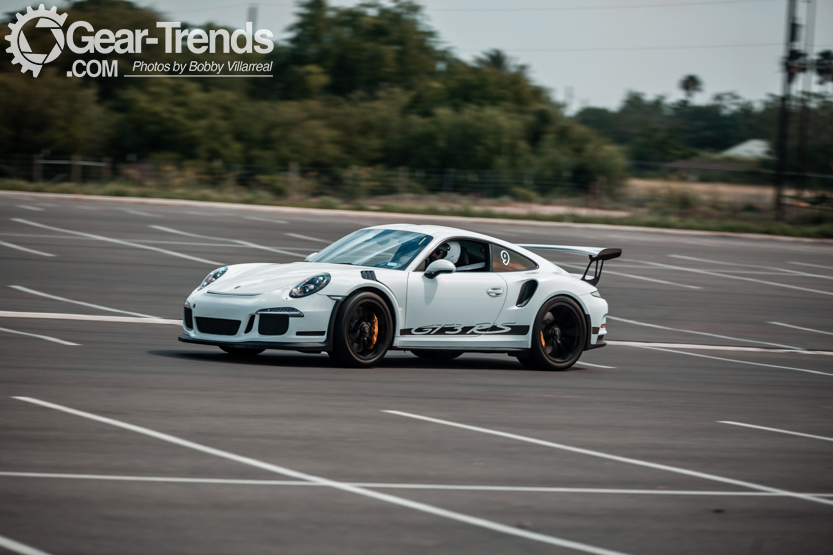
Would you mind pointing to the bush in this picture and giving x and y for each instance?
(522, 194)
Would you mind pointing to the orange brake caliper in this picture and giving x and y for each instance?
(375, 333)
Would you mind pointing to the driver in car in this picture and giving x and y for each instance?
(439, 253)
(449, 251)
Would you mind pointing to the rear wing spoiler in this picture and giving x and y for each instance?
(597, 256)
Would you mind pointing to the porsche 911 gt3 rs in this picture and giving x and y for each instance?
(435, 291)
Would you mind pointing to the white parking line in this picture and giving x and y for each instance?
(239, 242)
(699, 347)
(308, 238)
(87, 317)
(118, 242)
(387, 498)
(799, 328)
(24, 249)
(733, 360)
(775, 430)
(627, 460)
(376, 485)
(643, 278)
(657, 326)
(596, 365)
(140, 213)
(729, 276)
(33, 208)
(99, 307)
(266, 220)
(44, 337)
(793, 272)
(17, 547)
(813, 265)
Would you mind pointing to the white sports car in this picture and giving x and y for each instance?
(435, 291)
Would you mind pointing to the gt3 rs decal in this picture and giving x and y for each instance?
(478, 329)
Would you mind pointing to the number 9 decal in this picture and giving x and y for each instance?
(504, 257)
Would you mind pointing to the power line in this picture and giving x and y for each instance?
(632, 48)
(591, 8)
(547, 9)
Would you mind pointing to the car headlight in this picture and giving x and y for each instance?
(310, 286)
(212, 277)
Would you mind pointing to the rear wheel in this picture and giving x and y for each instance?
(242, 352)
(431, 354)
(362, 332)
(558, 336)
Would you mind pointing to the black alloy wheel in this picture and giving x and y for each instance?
(242, 352)
(558, 336)
(363, 331)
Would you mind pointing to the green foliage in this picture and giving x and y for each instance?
(523, 194)
(660, 131)
(366, 86)
(34, 117)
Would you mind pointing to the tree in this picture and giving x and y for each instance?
(498, 60)
(691, 85)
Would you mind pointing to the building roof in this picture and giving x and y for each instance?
(753, 149)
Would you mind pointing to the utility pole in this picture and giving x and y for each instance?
(804, 116)
(784, 118)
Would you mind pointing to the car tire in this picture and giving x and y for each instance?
(432, 354)
(362, 332)
(241, 352)
(559, 336)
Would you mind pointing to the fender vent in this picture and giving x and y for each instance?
(527, 291)
(369, 275)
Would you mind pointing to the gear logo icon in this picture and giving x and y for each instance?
(20, 49)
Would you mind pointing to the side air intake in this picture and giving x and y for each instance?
(527, 291)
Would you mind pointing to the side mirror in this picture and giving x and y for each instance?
(310, 258)
(438, 267)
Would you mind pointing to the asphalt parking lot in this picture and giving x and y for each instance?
(706, 426)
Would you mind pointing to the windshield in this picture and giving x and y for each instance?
(380, 248)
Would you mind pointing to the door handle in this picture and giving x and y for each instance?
(495, 291)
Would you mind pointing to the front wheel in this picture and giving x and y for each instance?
(558, 336)
(363, 331)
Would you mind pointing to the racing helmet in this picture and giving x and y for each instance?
(453, 254)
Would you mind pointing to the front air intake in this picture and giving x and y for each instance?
(217, 326)
(188, 318)
(272, 324)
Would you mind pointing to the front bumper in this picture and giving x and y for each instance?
(245, 321)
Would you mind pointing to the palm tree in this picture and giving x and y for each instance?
(691, 84)
(497, 59)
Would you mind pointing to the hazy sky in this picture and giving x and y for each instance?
(599, 48)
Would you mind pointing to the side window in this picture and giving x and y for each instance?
(473, 257)
(505, 260)
(467, 256)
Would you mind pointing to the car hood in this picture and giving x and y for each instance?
(263, 279)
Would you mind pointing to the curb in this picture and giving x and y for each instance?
(400, 216)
